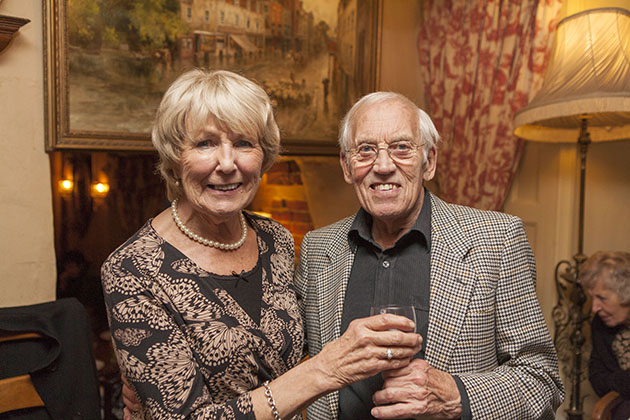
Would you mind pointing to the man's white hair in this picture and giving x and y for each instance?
(427, 134)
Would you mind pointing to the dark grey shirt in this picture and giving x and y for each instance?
(401, 275)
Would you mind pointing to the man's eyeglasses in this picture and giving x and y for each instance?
(398, 151)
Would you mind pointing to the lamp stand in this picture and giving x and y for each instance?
(568, 315)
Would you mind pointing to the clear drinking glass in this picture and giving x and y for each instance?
(407, 311)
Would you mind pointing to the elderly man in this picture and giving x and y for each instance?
(470, 275)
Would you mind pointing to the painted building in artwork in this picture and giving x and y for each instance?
(275, 20)
(288, 27)
(346, 32)
(304, 31)
(222, 28)
(354, 71)
(233, 28)
(298, 26)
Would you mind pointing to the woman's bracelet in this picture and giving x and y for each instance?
(271, 401)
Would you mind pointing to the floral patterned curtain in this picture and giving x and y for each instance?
(481, 61)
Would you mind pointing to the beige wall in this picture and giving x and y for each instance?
(27, 260)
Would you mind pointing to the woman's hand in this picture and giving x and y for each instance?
(363, 350)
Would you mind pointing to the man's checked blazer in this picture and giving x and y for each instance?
(485, 324)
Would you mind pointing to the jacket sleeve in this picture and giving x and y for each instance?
(300, 277)
(525, 382)
(300, 282)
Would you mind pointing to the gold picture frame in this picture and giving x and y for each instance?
(85, 112)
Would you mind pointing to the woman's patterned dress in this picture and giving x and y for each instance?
(185, 345)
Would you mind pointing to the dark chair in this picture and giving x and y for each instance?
(47, 368)
(602, 410)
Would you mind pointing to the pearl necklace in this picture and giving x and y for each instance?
(204, 241)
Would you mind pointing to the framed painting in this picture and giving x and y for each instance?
(108, 62)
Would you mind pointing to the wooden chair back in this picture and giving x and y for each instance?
(602, 410)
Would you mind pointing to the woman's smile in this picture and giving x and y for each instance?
(225, 187)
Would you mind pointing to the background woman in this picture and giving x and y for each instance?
(606, 279)
(203, 316)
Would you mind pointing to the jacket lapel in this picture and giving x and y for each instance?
(331, 284)
(452, 283)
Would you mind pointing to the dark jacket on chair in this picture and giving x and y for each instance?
(61, 364)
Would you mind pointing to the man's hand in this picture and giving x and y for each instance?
(417, 391)
(132, 404)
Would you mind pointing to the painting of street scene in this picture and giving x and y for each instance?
(123, 55)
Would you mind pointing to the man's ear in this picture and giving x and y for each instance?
(345, 167)
(429, 166)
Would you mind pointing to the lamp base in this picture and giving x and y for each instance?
(569, 317)
(574, 415)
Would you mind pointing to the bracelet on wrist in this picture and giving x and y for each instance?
(271, 401)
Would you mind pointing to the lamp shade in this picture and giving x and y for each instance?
(588, 76)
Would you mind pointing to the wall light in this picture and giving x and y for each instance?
(66, 186)
(99, 189)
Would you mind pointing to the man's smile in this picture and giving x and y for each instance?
(384, 187)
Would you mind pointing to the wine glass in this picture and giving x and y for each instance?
(407, 311)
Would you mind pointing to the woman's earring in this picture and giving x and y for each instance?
(177, 183)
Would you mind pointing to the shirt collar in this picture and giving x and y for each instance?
(361, 228)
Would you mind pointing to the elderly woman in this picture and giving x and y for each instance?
(202, 311)
(606, 279)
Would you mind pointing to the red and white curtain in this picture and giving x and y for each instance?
(481, 61)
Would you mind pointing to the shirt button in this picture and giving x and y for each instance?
(386, 264)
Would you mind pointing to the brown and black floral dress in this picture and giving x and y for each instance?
(182, 340)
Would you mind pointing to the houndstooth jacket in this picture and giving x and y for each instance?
(485, 324)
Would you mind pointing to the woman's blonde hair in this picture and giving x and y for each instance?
(234, 102)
